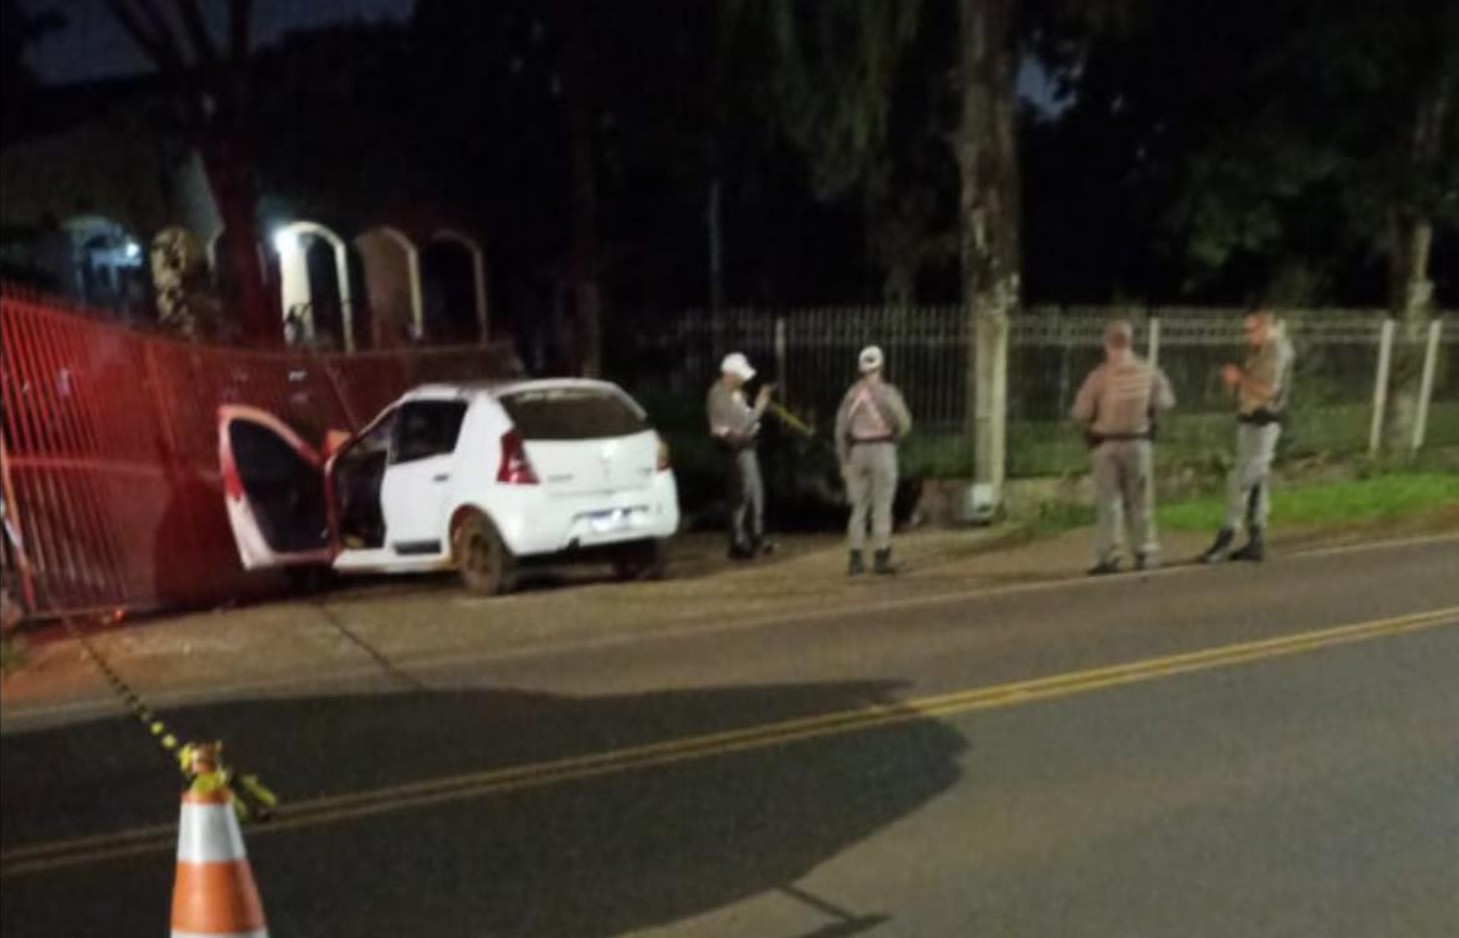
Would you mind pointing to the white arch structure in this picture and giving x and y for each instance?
(478, 271)
(412, 266)
(294, 273)
(295, 290)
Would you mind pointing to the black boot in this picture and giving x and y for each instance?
(1255, 548)
(1104, 568)
(1217, 551)
(883, 565)
(856, 566)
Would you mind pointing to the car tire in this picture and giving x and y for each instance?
(645, 560)
(482, 559)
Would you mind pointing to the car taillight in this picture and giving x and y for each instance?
(664, 462)
(515, 469)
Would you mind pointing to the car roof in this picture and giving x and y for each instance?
(457, 390)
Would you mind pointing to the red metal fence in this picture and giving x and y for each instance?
(110, 451)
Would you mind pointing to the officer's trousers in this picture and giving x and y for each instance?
(746, 499)
(1248, 490)
(871, 486)
(1124, 485)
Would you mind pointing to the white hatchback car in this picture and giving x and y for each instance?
(474, 477)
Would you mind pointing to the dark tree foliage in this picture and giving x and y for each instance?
(20, 26)
(1242, 149)
(783, 152)
(209, 76)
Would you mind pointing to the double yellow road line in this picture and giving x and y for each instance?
(468, 785)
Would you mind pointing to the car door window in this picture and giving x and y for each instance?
(427, 428)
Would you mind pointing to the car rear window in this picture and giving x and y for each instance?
(572, 414)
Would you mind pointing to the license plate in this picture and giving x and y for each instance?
(609, 522)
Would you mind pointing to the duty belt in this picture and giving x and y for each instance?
(1260, 417)
(1097, 438)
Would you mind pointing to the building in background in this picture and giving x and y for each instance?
(100, 204)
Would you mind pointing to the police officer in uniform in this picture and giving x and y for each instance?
(735, 426)
(1261, 387)
(1118, 407)
(872, 418)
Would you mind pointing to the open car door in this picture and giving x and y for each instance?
(273, 488)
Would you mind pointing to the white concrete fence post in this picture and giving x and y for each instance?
(1380, 386)
(1426, 388)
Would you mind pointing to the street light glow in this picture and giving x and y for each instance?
(285, 241)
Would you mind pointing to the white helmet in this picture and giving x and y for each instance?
(870, 358)
(735, 363)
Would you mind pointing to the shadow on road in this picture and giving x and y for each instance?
(592, 857)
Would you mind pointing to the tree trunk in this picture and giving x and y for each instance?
(1411, 292)
(721, 25)
(714, 222)
(587, 296)
(214, 82)
(585, 244)
(230, 178)
(1412, 308)
(988, 167)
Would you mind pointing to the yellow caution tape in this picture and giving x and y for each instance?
(251, 798)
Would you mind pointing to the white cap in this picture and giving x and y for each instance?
(735, 363)
(1119, 333)
(870, 358)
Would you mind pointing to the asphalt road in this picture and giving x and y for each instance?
(1249, 750)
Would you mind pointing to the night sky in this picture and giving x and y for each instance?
(92, 45)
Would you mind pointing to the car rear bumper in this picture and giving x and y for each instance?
(550, 524)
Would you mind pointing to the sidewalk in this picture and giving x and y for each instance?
(389, 634)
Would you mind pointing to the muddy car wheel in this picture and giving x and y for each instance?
(482, 560)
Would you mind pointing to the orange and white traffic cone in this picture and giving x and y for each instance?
(214, 894)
